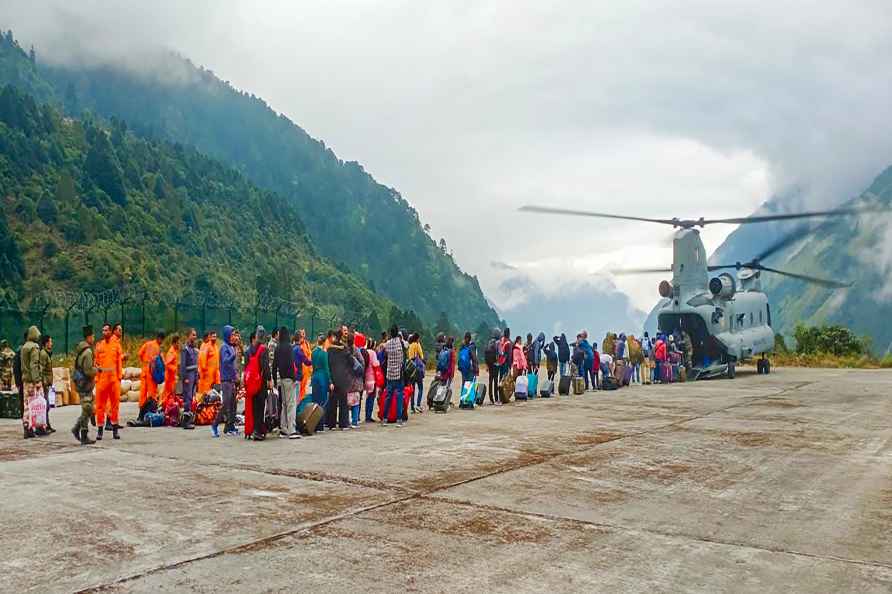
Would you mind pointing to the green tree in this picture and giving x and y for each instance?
(12, 267)
(47, 210)
(443, 326)
(103, 168)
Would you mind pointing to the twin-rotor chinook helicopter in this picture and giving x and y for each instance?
(728, 318)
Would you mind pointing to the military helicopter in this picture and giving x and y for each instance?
(728, 317)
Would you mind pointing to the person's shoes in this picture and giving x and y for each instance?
(49, 430)
(28, 432)
(232, 433)
(215, 431)
(294, 436)
(355, 426)
(85, 438)
(115, 432)
(384, 423)
(399, 424)
(258, 437)
(108, 425)
(283, 436)
(99, 432)
(77, 434)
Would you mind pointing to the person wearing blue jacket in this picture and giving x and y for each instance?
(228, 381)
(589, 359)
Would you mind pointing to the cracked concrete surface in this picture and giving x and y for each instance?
(762, 484)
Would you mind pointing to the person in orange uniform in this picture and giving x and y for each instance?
(147, 386)
(107, 360)
(307, 369)
(171, 367)
(208, 364)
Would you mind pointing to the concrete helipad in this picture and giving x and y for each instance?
(763, 484)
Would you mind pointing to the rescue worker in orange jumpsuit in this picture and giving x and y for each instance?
(208, 364)
(171, 367)
(107, 360)
(307, 369)
(117, 336)
(147, 386)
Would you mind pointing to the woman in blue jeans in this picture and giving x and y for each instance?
(321, 379)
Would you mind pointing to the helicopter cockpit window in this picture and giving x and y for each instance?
(740, 318)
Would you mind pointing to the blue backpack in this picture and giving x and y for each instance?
(157, 370)
(464, 360)
(443, 361)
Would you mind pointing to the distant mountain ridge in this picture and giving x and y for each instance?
(350, 217)
(857, 249)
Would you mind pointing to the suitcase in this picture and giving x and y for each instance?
(609, 383)
(309, 417)
(666, 373)
(468, 398)
(480, 393)
(619, 372)
(532, 385)
(564, 385)
(430, 393)
(506, 389)
(521, 386)
(442, 398)
(546, 389)
(627, 378)
(578, 385)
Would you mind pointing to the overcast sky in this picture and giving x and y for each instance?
(473, 108)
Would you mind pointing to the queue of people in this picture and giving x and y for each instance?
(280, 376)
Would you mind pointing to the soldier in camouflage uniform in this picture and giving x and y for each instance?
(7, 356)
(83, 364)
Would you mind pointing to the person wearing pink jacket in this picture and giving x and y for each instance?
(518, 359)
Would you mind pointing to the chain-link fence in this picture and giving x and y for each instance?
(61, 314)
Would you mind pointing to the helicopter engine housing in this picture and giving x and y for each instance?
(723, 286)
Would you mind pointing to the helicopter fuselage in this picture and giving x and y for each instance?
(725, 326)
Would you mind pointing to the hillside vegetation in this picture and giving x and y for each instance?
(368, 228)
(85, 206)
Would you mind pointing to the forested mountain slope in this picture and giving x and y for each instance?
(350, 217)
(85, 206)
(857, 249)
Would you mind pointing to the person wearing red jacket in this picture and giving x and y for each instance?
(659, 356)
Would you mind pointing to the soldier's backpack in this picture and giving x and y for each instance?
(82, 383)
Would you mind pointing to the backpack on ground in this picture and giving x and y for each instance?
(521, 386)
(157, 370)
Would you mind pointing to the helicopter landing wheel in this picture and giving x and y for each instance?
(732, 370)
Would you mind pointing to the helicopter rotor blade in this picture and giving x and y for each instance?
(587, 213)
(626, 271)
(721, 267)
(830, 284)
(790, 216)
(789, 239)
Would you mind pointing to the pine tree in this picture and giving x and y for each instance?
(103, 168)
(47, 209)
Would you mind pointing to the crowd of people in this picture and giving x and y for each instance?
(282, 377)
